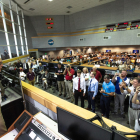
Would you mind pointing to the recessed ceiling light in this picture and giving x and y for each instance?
(50, 0)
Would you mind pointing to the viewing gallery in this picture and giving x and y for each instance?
(69, 70)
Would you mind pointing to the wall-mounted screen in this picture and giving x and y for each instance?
(108, 50)
(135, 51)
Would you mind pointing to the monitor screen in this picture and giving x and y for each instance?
(77, 128)
(135, 51)
(108, 50)
(118, 136)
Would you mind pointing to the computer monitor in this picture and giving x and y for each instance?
(135, 51)
(118, 136)
(76, 128)
(108, 50)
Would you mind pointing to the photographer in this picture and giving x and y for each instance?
(119, 98)
(134, 106)
(69, 72)
(60, 79)
(2, 123)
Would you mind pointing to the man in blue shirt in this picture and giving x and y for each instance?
(119, 98)
(92, 91)
(107, 90)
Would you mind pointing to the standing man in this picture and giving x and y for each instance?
(3, 129)
(134, 108)
(25, 67)
(79, 88)
(69, 72)
(31, 77)
(92, 91)
(98, 75)
(60, 79)
(119, 98)
(108, 89)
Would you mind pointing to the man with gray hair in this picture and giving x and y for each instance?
(98, 75)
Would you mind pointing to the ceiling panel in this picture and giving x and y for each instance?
(57, 7)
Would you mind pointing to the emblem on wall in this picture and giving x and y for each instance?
(50, 42)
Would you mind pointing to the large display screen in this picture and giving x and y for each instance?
(135, 51)
(108, 50)
(77, 128)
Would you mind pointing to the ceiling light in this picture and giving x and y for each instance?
(50, 0)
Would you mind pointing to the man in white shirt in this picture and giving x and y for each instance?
(138, 61)
(79, 88)
(22, 74)
(34, 67)
(134, 108)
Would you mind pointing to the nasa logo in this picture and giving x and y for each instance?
(50, 42)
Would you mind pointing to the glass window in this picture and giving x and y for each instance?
(13, 51)
(4, 52)
(7, 12)
(22, 31)
(11, 39)
(23, 41)
(18, 40)
(0, 10)
(1, 24)
(20, 50)
(17, 29)
(15, 17)
(2, 39)
(9, 26)
(25, 52)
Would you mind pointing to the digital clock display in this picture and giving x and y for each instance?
(49, 18)
(48, 23)
(49, 27)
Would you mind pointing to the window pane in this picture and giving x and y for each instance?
(7, 12)
(25, 52)
(17, 29)
(4, 52)
(1, 24)
(11, 39)
(23, 41)
(22, 31)
(15, 17)
(9, 26)
(19, 50)
(0, 10)
(18, 40)
(2, 39)
(13, 51)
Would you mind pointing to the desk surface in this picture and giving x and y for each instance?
(101, 67)
(137, 71)
(51, 102)
(55, 62)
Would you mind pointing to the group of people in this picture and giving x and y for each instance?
(85, 86)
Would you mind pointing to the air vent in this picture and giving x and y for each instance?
(68, 12)
(138, 35)
(81, 39)
(69, 7)
(107, 37)
(31, 9)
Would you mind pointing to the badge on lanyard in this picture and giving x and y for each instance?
(80, 90)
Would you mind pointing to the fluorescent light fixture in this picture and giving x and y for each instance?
(50, 0)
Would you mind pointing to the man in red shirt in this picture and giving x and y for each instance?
(69, 72)
(98, 75)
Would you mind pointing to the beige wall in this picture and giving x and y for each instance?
(118, 49)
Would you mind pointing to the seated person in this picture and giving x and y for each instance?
(75, 60)
(39, 73)
(68, 60)
(108, 65)
(45, 79)
(137, 67)
(121, 66)
(22, 74)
